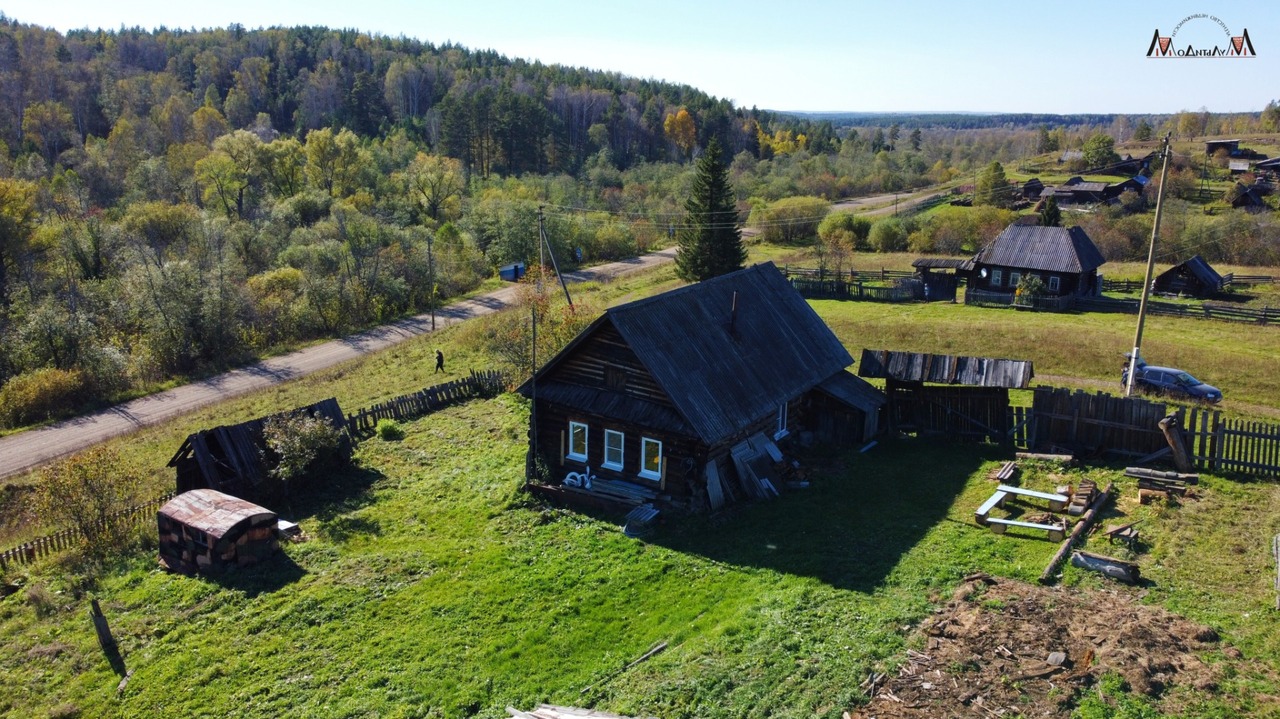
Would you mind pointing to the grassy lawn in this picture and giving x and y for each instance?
(432, 587)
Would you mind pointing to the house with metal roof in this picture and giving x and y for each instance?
(1064, 259)
(1194, 277)
(678, 399)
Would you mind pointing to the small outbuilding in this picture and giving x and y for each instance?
(1194, 277)
(207, 531)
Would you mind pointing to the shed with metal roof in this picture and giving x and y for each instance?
(207, 531)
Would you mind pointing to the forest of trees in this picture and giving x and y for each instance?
(174, 202)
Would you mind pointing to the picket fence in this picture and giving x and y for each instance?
(47, 545)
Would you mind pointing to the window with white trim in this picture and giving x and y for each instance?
(577, 441)
(997, 276)
(613, 449)
(650, 458)
(1015, 279)
(1055, 283)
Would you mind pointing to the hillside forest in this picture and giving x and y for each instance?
(175, 202)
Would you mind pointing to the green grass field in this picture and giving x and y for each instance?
(432, 586)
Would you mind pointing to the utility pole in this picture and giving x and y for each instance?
(1151, 263)
(431, 280)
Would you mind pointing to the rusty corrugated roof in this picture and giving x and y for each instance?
(213, 512)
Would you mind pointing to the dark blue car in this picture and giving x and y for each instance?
(1173, 383)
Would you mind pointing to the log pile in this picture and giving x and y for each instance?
(1082, 497)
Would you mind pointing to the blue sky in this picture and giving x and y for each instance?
(821, 55)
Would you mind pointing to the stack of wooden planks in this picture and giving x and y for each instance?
(1005, 473)
(624, 492)
(640, 521)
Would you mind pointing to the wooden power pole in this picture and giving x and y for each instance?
(1151, 263)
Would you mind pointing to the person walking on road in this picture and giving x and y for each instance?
(439, 362)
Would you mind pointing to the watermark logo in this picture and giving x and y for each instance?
(1201, 44)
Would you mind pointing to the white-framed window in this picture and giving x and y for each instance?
(613, 449)
(1015, 278)
(1055, 283)
(577, 441)
(997, 276)
(782, 422)
(650, 458)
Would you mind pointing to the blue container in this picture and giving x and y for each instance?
(512, 272)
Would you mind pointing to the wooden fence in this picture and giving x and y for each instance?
(850, 275)
(47, 545)
(816, 289)
(1208, 310)
(409, 406)
(1129, 427)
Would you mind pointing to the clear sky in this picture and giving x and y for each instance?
(821, 55)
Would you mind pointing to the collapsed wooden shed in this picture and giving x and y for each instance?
(207, 531)
(231, 458)
(971, 403)
(1194, 277)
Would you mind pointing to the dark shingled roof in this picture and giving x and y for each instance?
(1049, 249)
(719, 380)
(936, 263)
(1198, 268)
(946, 369)
(213, 512)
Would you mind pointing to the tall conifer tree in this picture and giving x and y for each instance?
(711, 239)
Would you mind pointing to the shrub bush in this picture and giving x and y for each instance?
(299, 442)
(389, 430)
(36, 396)
(85, 492)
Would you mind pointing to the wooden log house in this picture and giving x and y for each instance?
(657, 393)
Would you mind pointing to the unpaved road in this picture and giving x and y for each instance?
(24, 451)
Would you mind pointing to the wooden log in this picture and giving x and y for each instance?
(1147, 496)
(1060, 458)
(1119, 569)
(1172, 428)
(1081, 527)
(1143, 472)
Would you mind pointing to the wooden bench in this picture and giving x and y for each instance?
(1057, 502)
(995, 500)
(1056, 531)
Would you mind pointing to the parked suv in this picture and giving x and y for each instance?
(1172, 382)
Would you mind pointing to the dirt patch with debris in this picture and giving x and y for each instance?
(1007, 648)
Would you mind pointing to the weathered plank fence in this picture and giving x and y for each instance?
(1129, 427)
(1207, 310)
(905, 291)
(851, 275)
(425, 401)
(47, 545)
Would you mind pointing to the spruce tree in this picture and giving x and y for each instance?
(1050, 215)
(710, 243)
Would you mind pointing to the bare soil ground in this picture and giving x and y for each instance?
(987, 653)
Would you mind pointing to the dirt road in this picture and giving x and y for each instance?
(24, 451)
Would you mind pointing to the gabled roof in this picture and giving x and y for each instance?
(1199, 268)
(723, 369)
(1049, 249)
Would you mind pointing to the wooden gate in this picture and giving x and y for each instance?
(954, 412)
